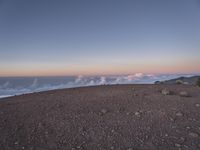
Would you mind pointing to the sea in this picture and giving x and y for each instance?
(10, 86)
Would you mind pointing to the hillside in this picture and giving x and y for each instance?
(186, 80)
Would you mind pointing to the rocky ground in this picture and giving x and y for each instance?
(117, 117)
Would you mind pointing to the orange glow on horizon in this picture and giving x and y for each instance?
(102, 70)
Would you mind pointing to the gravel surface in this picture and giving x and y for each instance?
(107, 117)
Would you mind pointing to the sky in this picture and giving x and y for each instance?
(99, 37)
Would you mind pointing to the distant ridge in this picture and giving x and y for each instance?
(185, 80)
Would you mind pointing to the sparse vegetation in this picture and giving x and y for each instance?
(198, 82)
(179, 82)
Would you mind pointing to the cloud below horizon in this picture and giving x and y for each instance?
(9, 88)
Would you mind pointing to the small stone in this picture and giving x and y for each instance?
(127, 113)
(137, 113)
(193, 135)
(129, 149)
(171, 119)
(46, 133)
(148, 128)
(135, 94)
(187, 127)
(104, 111)
(78, 147)
(184, 94)
(39, 124)
(182, 139)
(166, 135)
(165, 92)
(197, 105)
(177, 145)
(16, 143)
(179, 114)
(173, 127)
(112, 147)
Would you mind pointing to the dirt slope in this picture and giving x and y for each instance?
(118, 117)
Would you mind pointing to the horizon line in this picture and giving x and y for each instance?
(87, 75)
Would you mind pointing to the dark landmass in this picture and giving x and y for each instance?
(116, 117)
(185, 80)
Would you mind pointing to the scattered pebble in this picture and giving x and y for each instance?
(182, 139)
(173, 127)
(39, 124)
(135, 117)
(104, 111)
(179, 114)
(187, 127)
(46, 133)
(171, 119)
(135, 94)
(193, 135)
(16, 143)
(148, 128)
(177, 145)
(137, 113)
(78, 147)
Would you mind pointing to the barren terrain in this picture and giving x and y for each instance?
(115, 117)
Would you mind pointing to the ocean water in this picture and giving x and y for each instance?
(10, 86)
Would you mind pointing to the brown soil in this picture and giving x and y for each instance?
(118, 117)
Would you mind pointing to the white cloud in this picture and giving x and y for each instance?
(79, 79)
(139, 75)
(6, 84)
(9, 89)
(102, 80)
(35, 83)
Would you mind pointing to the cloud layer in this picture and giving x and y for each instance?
(12, 86)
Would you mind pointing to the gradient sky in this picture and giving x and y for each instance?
(71, 37)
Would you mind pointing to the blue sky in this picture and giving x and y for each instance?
(46, 37)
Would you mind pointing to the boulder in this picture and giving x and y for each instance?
(184, 94)
(166, 92)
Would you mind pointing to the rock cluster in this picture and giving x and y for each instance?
(166, 92)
